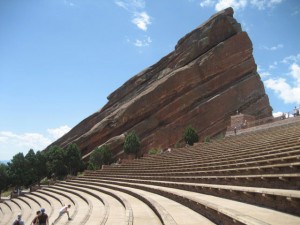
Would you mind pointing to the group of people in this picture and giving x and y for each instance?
(42, 218)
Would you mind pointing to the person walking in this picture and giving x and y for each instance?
(19, 220)
(296, 112)
(35, 221)
(43, 218)
(62, 211)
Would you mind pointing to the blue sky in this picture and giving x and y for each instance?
(60, 59)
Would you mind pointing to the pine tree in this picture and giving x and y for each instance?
(132, 143)
(190, 135)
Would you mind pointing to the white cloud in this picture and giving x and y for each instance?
(295, 72)
(287, 90)
(273, 48)
(58, 132)
(141, 20)
(12, 143)
(137, 10)
(240, 4)
(236, 4)
(138, 43)
(245, 26)
(143, 43)
(277, 114)
(24, 141)
(206, 3)
(264, 74)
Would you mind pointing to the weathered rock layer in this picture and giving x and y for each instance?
(208, 77)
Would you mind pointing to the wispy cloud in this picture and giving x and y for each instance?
(69, 3)
(291, 59)
(12, 143)
(264, 74)
(295, 12)
(136, 8)
(273, 65)
(273, 48)
(239, 4)
(131, 5)
(264, 4)
(206, 3)
(143, 43)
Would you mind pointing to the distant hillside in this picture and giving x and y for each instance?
(4, 161)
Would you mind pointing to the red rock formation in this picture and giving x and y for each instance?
(208, 77)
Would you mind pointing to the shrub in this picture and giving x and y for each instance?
(153, 151)
(132, 143)
(177, 144)
(190, 136)
(207, 139)
(100, 156)
(221, 136)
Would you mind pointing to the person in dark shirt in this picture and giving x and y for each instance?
(35, 221)
(43, 218)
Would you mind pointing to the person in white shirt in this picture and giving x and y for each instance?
(62, 211)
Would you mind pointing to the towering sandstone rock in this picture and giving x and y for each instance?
(208, 77)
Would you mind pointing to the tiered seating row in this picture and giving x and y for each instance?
(250, 178)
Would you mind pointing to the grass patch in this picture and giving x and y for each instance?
(6, 193)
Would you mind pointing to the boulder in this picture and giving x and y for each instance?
(208, 77)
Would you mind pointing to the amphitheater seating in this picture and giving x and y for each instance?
(251, 178)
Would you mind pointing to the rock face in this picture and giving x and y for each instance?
(208, 77)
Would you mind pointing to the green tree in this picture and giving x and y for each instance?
(31, 162)
(190, 135)
(41, 165)
(17, 170)
(100, 156)
(56, 162)
(73, 159)
(4, 178)
(132, 143)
